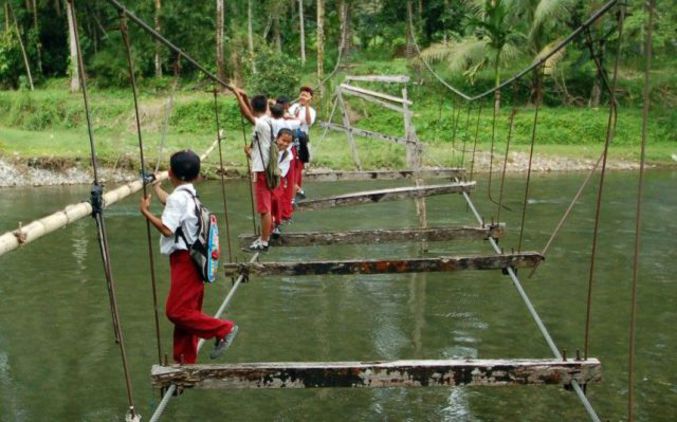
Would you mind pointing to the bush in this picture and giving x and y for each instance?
(276, 74)
(11, 64)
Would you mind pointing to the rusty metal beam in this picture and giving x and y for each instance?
(399, 373)
(438, 234)
(386, 266)
(383, 195)
(335, 176)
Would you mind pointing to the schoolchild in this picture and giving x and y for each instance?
(280, 196)
(284, 121)
(178, 226)
(306, 115)
(256, 112)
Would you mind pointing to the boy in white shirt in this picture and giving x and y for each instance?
(256, 112)
(303, 112)
(178, 226)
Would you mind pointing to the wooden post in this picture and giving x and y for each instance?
(386, 266)
(438, 234)
(383, 195)
(399, 373)
(346, 123)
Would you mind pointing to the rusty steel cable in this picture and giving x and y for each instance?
(221, 172)
(650, 6)
(97, 213)
(151, 258)
(610, 131)
(528, 182)
(511, 126)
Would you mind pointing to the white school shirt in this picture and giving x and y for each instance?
(179, 212)
(286, 157)
(282, 123)
(299, 113)
(262, 128)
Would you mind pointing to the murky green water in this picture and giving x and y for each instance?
(58, 360)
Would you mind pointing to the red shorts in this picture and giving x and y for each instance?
(298, 171)
(278, 201)
(264, 196)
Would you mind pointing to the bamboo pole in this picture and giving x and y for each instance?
(71, 213)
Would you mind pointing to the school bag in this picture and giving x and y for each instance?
(301, 142)
(272, 169)
(206, 249)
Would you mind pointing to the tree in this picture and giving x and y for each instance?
(158, 46)
(250, 35)
(494, 42)
(320, 42)
(220, 59)
(302, 34)
(74, 70)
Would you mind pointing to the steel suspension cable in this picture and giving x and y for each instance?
(613, 112)
(222, 170)
(97, 213)
(650, 6)
(465, 134)
(249, 176)
(511, 125)
(474, 146)
(149, 240)
(531, 159)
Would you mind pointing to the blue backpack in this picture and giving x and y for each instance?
(206, 249)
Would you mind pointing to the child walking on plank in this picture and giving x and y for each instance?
(306, 115)
(178, 226)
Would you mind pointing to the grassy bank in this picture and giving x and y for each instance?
(50, 125)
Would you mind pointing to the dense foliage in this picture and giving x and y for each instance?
(476, 42)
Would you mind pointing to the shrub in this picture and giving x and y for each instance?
(276, 74)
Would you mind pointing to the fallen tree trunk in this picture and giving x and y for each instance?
(38, 228)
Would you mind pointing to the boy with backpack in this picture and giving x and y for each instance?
(303, 112)
(263, 153)
(181, 226)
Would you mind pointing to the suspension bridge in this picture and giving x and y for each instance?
(575, 373)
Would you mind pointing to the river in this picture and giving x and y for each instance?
(58, 360)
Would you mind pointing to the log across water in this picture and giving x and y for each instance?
(386, 266)
(400, 373)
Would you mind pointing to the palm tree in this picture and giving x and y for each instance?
(494, 42)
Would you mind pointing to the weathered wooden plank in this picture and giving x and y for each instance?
(386, 266)
(402, 79)
(334, 176)
(355, 89)
(383, 195)
(365, 133)
(438, 234)
(399, 373)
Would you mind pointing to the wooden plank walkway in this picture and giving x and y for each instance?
(383, 195)
(438, 234)
(386, 266)
(399, 373)
(335, 176)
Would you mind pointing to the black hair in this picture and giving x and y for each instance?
(185, 165)
(282, 99)
(259, 103)
(285, 131)
(277, 111)
(307, 89)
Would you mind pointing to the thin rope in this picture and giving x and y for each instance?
(511, 125)
(149, 239)
(222, 170)
(249, 175)
(528, 183)
(168, 113)
(465, 134)
(97, 213)
(474, 146)
(609, 136)
(650, 6)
